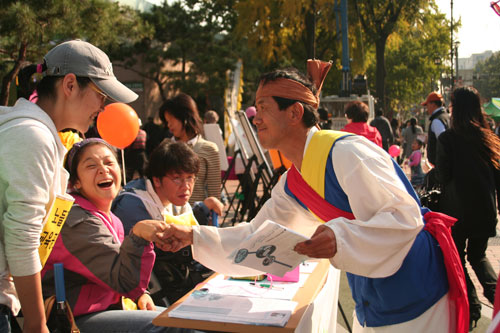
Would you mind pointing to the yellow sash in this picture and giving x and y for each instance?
(53, 224)
(315, 158)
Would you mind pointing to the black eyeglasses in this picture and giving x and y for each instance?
(495, 6)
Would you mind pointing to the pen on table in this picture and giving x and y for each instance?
(264, 285)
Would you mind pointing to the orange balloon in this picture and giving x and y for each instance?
(118, 124)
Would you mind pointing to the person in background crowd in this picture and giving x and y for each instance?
(211, 117)
(357, 116)
(77, 79)
(384, 127)
(135, 156)
(439, 121)
(324, 122)
(155, 134)
(181, 115)
(415, 163)
(468, 169)
(411, 132)
(398, 138)
(251, 112)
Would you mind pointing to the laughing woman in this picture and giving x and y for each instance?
(101, 264)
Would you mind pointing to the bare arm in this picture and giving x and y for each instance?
(29, 291)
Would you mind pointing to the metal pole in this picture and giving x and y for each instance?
(452, 83)
(456, 61)
(346, 89)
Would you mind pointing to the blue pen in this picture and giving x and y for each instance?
(59, 281)
(215, 219)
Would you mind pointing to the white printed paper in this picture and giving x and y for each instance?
(201, 305)
(270, 249)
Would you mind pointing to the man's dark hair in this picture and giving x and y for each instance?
(310, 117)
(379, 112)
(357, 111)
(323, 114)
(439, 103)
(172, 157)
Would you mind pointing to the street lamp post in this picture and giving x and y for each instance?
(452, 81)
(457, 43)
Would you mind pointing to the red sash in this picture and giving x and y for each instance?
(316, 204)
(437, 224)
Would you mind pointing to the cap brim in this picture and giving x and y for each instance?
(423, 103)
(115, 90)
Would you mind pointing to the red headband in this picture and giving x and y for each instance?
(291, 89)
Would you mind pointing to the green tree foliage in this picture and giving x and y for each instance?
(414, 58)
(379, 19)
(487, 77)
(286, 33)
(29, 28)
(191, 48)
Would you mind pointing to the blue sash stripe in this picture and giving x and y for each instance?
(289, 192)
(333, 191)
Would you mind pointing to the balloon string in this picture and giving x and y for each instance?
(123, 166)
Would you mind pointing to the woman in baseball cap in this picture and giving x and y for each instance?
(77, 79)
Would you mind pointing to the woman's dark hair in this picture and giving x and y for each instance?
(45, 87)
(413, 123)
(75, 154)
(469, 120)
(172, 157)
(183, 108)
(310, 117)
(357, 111)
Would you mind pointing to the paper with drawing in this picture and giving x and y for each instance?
(270, 249)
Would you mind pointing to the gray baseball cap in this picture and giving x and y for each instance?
(85, 60)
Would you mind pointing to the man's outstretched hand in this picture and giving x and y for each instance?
(322, 244)
(175, 237)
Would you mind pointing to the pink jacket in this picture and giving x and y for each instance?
(100, 264)
(361, 128)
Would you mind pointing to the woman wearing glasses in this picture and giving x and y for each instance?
(31, 173)
(181, 116)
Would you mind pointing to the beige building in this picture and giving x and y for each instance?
(465, 75)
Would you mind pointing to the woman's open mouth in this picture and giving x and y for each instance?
(105, 183)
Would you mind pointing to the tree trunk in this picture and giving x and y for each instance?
(311, 31)
(380, 76)
(6, 81)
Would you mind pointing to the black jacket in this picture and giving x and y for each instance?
(384, 127)
(443, 116)
(469, 186)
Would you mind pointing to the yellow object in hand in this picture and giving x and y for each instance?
(128, 304)
(183, 219)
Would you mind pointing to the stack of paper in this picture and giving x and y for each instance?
(234, 309)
